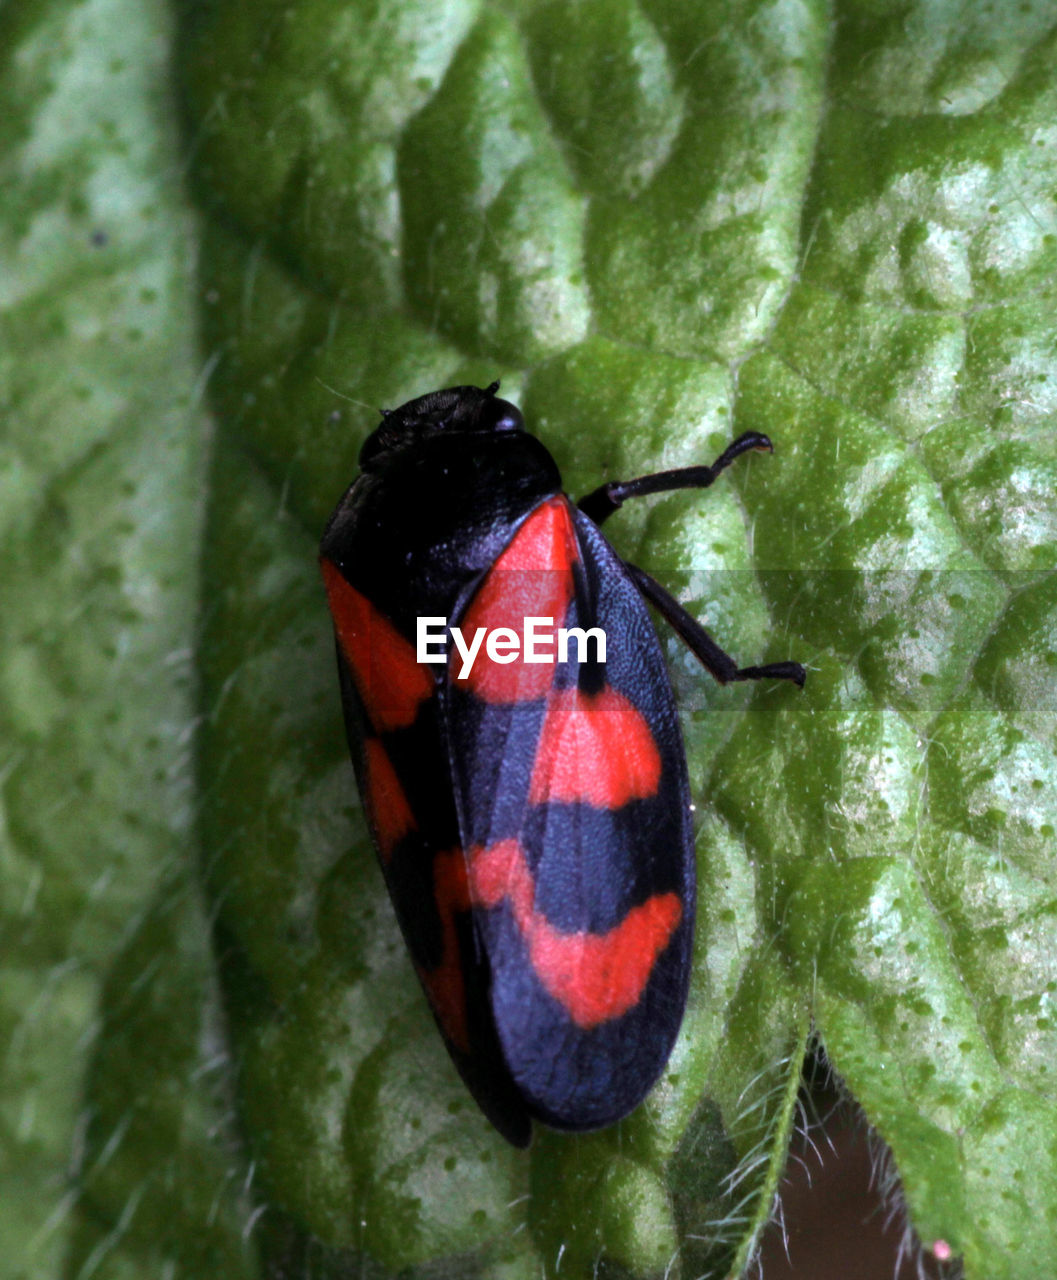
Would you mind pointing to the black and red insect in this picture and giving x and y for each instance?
(532, 819)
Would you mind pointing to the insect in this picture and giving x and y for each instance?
(530, 808)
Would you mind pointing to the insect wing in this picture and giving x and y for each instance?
(573, 801)
(391, 717)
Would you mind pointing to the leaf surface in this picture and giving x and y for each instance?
(662, 224)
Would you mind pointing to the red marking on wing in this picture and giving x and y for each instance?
(596, 749)
(445, 983)
(531, 579)
(390, 813)
(390, 681)
(594, 976)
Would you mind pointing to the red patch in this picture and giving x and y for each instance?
(447, 990)
(596, 749)
(531, 579)
(594, 976)
(391, 683)
(390, 813)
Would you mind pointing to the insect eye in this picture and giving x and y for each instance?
(509, 419)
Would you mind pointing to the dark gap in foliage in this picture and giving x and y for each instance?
(841, 1207)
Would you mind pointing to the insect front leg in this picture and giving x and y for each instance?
(607, 498)
(600, 504)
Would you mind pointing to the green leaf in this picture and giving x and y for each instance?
(662, 223)
(101, 466)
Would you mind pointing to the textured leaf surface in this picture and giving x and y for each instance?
(101, 464)
(661, 224)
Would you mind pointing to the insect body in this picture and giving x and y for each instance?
(531, 810)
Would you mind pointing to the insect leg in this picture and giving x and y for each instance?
(718, 663)
(607, 498)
